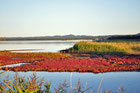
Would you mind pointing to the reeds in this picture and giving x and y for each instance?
(32, 84)
(106, 47)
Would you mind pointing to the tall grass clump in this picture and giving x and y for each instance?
(95, 47)
(106, 47)
(21, 85)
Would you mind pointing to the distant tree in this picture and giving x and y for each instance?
(124, 37)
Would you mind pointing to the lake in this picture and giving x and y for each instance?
(130, 81)
(37, 46)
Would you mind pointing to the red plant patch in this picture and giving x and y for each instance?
(96, 64)
(7, 58)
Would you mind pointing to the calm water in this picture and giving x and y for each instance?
(42, 46)
(130, 81)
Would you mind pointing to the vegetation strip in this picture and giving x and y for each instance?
(84, 56)
(119, 47)
(74, 63)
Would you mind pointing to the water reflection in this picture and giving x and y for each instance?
(37, 46)
(111, 80)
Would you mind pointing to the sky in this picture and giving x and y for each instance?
(20, 18)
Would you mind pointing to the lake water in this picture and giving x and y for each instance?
(38, 46)
(130, 81)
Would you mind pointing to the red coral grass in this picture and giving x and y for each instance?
(64, 62)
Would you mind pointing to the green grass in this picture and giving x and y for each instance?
(136, 48)
(106, 47)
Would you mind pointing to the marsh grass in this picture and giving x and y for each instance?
(106, 47)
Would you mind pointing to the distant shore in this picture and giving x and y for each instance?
(75, 37)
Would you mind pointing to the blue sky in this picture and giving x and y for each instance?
(60, 17)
